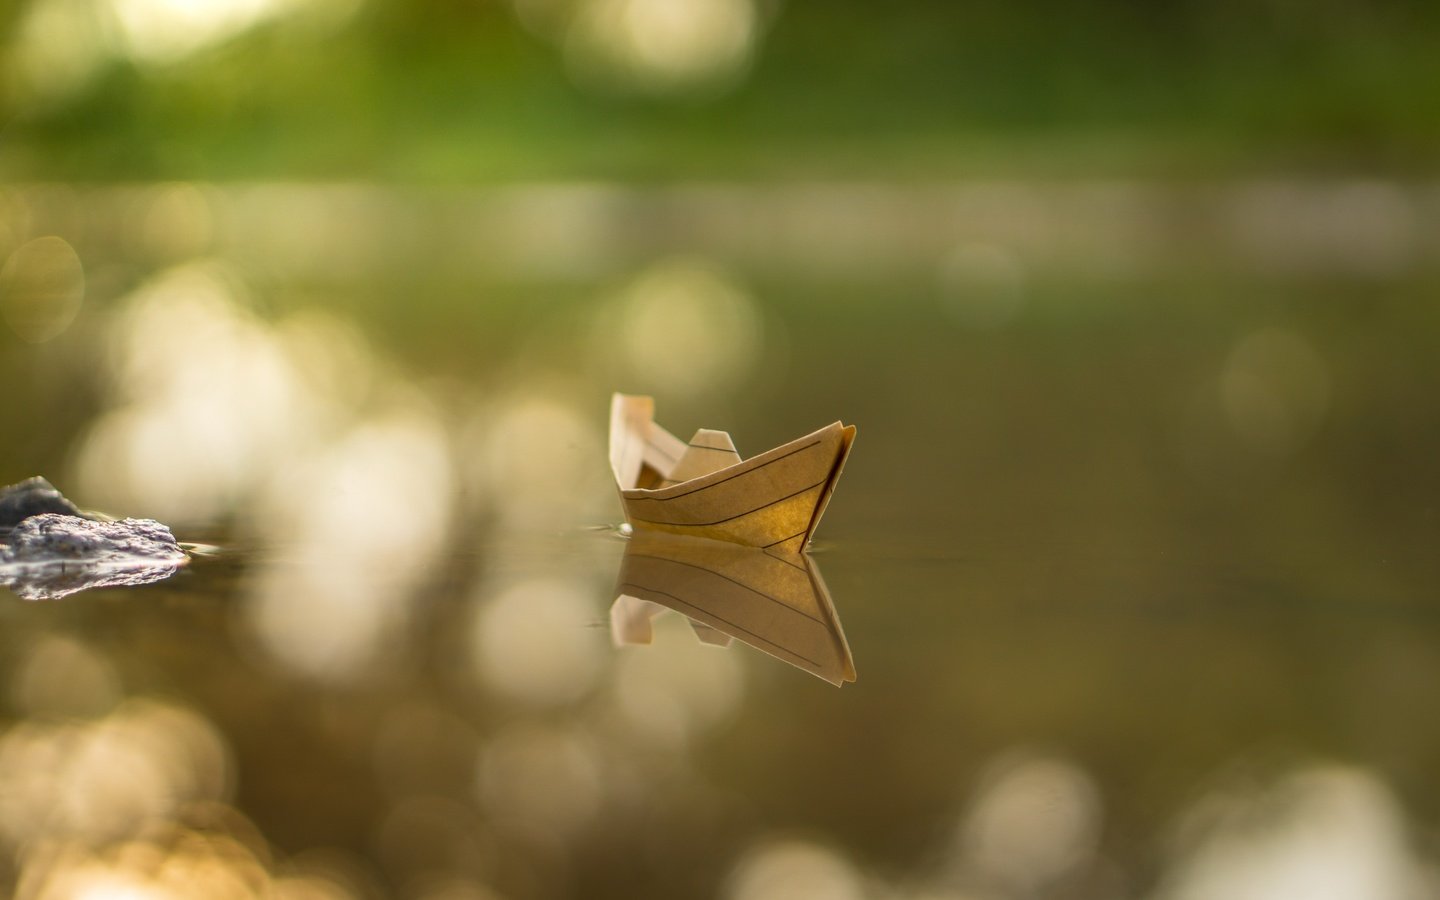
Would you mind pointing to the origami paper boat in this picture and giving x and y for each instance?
(704, 489)
(774, 600)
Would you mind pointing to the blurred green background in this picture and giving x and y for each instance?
(445, 91)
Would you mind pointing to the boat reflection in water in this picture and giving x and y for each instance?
(770, 598)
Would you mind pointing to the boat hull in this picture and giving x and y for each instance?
(771, 499)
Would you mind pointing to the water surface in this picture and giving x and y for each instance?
(1135, 551)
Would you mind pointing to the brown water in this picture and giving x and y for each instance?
(1135, 551)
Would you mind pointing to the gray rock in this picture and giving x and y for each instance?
(32, 497)
(52, 537)
(50, 555)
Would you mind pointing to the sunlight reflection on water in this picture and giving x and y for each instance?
(63, 677)
(101, 780)
(1325, 832)
(794, 869)
(1032, 821)
(1070, 617)
(206, 401)
(527, 647)
(331, 607)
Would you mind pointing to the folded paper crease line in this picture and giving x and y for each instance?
(703, 488)
(776, 603)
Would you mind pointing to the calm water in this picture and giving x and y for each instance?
(1136, 551)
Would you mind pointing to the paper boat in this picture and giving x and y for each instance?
(772, 599)
(704, 489)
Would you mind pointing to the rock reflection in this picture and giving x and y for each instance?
(772, 599)
(55, 581)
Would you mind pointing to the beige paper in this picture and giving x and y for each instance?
(704, 489)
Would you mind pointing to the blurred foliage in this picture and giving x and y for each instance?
(458, 90)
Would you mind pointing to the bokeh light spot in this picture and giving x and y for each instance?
(57, 48)
(688, 329)
(540, 779)
(363, 519)
(672, 691)
(41, 289)
(794, 870)
(167, 30)
(62, 677)
(207, 401)
(532, 463)
(176, 222)
(1032, 820)
(659, 46)
(1275, 391)
(532, 643)
(101, 780)
(1323, 833)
